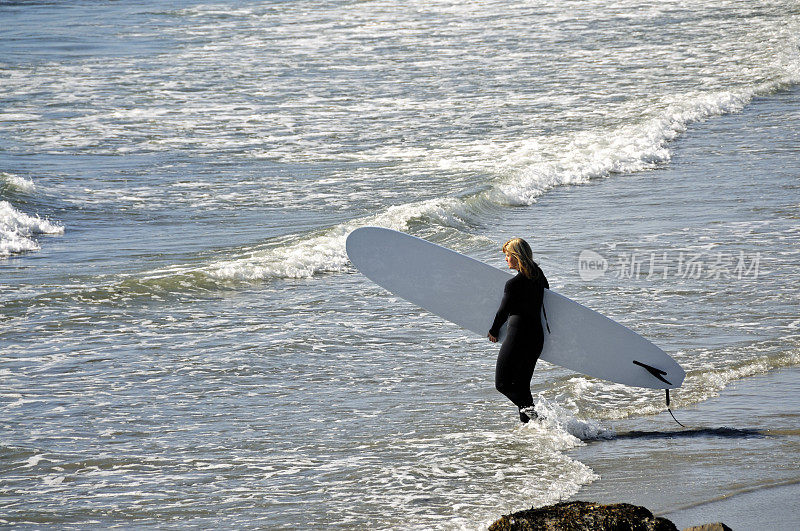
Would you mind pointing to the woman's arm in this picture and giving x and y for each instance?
(502, 314)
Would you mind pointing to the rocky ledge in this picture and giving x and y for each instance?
(587, 516)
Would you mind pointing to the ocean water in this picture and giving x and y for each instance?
(183, 341)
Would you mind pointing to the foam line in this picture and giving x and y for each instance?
(18, 230)
(573, 159)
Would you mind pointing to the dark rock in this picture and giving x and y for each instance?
(583, 516)
(718, 526)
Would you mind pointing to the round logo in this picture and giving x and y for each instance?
(591, 265)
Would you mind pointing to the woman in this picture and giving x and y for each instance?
(521, 307)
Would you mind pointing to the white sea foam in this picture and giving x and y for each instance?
(17, 183)
(325, 251)
(563, 426)
(537, 166)
(18, 117)
(704, 384)
(572, 159)
(18, 230)
(34, 460)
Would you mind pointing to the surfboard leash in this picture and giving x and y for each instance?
(546, 322)
(670, 411)
(658, 373)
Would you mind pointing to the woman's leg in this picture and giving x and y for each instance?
(514, 370)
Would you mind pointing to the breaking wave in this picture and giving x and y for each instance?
(10, 183)
(525, 172)
(18, 231)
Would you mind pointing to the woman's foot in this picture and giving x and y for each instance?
(527, 413)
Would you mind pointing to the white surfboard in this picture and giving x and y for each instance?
(468, 292)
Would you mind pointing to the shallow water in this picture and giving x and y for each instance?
(184, 341)
(736, 462)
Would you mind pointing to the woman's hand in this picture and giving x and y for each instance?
(491, 338)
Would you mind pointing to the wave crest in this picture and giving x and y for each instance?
(530, 169)
(15, 183)
(18, 230)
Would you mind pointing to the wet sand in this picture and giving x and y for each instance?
(738, 460)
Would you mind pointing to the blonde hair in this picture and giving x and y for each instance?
(519, 249)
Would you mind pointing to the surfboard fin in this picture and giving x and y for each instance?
(658, 373)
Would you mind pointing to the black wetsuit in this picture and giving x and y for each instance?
(521, 306)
